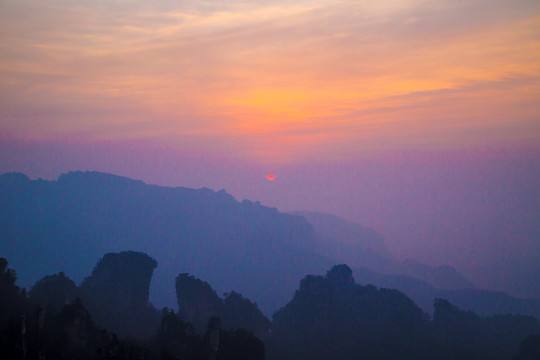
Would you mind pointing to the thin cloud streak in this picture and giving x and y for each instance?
(250, 69)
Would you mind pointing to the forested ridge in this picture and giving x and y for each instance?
(66, 224)
(329, 317)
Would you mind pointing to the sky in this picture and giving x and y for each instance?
(418, 118)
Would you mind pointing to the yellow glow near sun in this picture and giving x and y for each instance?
(272, 100)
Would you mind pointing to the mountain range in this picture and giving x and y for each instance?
(67, 224)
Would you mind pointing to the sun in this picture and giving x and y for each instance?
(271, 177)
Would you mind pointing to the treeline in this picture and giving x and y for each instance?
(329, 317)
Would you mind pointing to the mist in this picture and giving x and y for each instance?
(475, 210)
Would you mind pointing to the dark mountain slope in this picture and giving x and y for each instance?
(198, 303)
(64, 225)
(364, 249)
(464, 335)
(332, 317)
(116, 294)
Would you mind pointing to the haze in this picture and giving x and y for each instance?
(419, 119)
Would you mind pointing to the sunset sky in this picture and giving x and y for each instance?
(325, 95)
(272, 81)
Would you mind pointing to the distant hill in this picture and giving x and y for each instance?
(483, 302)
(116, 294)
(67, 225)
(343, 237)
(364, 249)
(359, 246)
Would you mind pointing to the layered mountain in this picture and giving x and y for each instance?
(111, 319)
(483, 302)
(66, 225)
(332, 317)
(198, 303)
(116, 294)
(363, 247)
(328, 317)
(364, 250)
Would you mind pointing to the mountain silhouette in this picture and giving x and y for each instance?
(332, 317)
(359, 246)
(198, 303)
(65, 225)
(117, 292)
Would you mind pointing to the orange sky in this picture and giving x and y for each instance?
(419, 118)
(277, 81)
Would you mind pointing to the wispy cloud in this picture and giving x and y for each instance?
(253, 68)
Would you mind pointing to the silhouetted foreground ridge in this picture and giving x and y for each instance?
(73, 221)
(198, 303)
(48, 226)
(55, 323)
(117, 293)
(332, 317)
(329, 317)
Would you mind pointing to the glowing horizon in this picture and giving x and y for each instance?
(418, 118)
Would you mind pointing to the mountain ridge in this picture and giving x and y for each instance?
(359, 246)
(64, 225)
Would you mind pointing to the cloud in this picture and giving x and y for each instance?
(251, 69)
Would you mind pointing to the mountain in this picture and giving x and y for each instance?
(459, 334)
(116, 294)
(332, 317)
(364, 249)
(483, 302)
(342, 239)
(329, 317)
(198, 303)
(66, 225)
(36, 328)
(53, 292)
(360, 246)
(444, 277)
